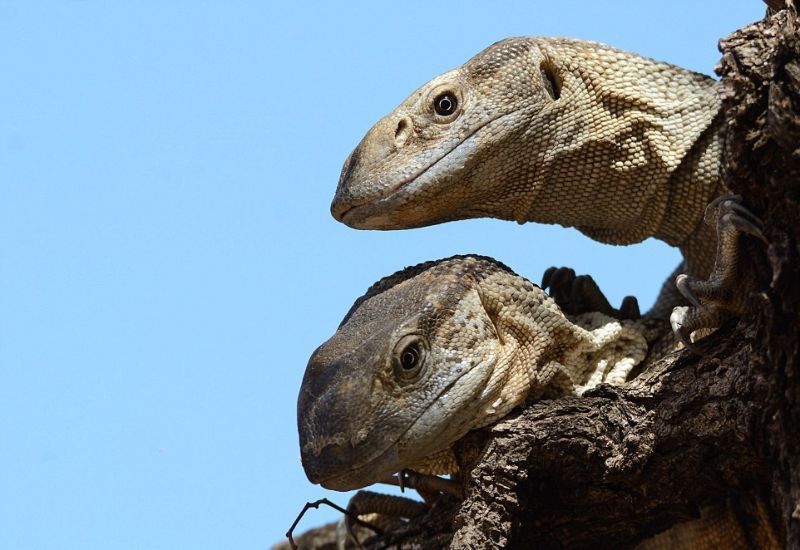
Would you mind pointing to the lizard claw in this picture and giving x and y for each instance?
(744, 224)
(682, 282)
(728, 209)
(726, 291)
(560, 281)
(682, 321)
(386, 511)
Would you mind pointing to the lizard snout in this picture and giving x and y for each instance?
(323, 457)
(329, 416)
(329, 456)
(362, 179)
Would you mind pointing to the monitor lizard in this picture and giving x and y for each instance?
(439, 349)
(444, 347)
(564, 131)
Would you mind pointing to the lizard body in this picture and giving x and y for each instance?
(439, 349)
(550, 130)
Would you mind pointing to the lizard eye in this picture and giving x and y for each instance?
(409, 357)
(445, 104)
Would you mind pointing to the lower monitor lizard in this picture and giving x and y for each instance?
(439, 349)
(444, 347)
(448, 346)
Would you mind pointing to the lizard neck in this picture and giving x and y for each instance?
(627, 203)
(608, 167)
(533, 339)
(695, 183)
(542, 353)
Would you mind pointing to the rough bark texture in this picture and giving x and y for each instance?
(620, 464)
(761, 72)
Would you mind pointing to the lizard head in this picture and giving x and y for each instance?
(403, 377)
(428, 161)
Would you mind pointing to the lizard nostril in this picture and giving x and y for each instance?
(402, 133)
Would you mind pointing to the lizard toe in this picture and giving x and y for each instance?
(684, 321)
(629, 309)
(684, 284)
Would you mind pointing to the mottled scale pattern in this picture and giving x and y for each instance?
(550, 130)
(487, 339)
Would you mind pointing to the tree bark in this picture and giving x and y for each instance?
(761, 101)
(618, 465)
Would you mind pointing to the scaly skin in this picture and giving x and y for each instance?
(485, 340)
(547, 130)
(553, 131)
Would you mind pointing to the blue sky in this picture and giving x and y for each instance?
(167, 259)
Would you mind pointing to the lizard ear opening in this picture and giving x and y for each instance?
(492, 309)
(550, 80)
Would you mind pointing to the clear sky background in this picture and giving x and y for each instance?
(167, 258)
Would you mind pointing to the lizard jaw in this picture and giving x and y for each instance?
(356, 477)
(391, 459)
(381, 210)
(374, 213)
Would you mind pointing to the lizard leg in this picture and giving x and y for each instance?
(726, 291)
(384, 511)
(580, 294)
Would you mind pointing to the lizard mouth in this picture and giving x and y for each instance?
(375, 468)
(351, 479)
(375, 212)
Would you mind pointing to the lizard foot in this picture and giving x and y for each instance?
(384, 511)
(726, 291)
(387, 511)
(580, 294)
